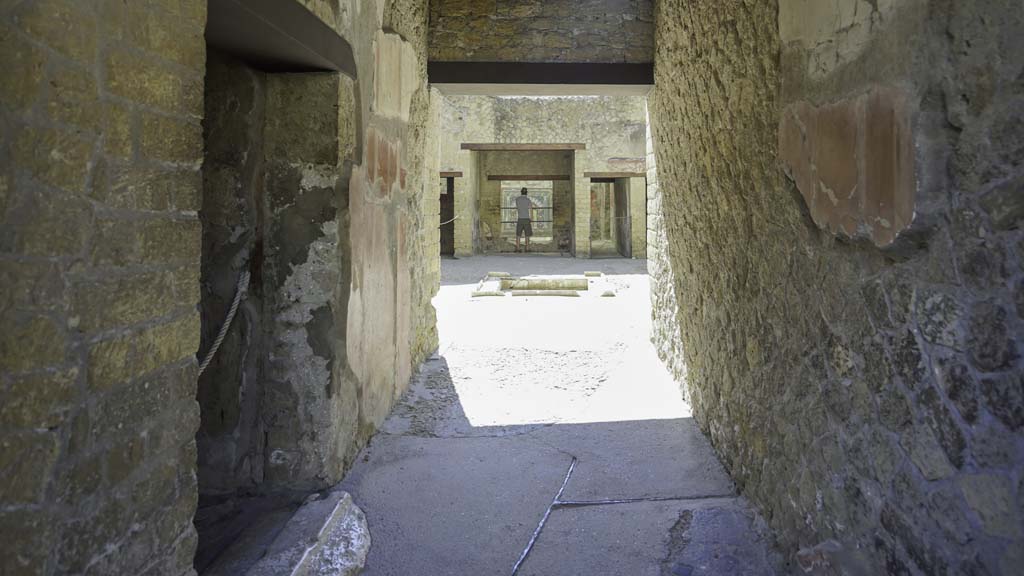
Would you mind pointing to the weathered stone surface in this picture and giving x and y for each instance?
(535, 31)
(1005, 204)
(298, 169)
(992, 347)
(960, 387)
(31, 343)
(98, 380)
(913, 109)
(25, 534)
(938, 316)
(853, 162)
(42, 400)
(27, 461)
(1004, 397)
(134, 79)
(327, 536)
(926, 453)
(991, 498)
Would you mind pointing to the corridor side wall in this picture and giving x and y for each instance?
(393, 208)
(100, 153)
(855, 363)
(100, 148)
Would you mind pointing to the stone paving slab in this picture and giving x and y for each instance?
(452, 506)
(638, 459)
(709, 537)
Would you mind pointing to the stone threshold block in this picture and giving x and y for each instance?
(327, 536)
(487, 294)
(564, 293)
(544, 284)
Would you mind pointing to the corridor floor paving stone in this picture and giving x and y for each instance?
(523, 391)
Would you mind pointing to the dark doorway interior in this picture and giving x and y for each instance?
(448, 218)
(623, 228)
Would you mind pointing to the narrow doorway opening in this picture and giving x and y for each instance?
(274, 289)
(447, 201)
(542, 213)
(618, 216)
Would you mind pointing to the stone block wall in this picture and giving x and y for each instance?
(100, 147)
(285, 406)
(100, 259)
(855, 363)
(331, 355)
(665, 333)
(393, 211)
(542, 30)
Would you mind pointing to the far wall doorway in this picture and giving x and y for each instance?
(448, 216)
(610, 226)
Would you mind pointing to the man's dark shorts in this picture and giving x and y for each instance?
(523, 226)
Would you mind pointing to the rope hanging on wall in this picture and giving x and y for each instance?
(449, 222)
(240, 290)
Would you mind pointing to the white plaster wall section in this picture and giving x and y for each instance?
(318, 176)
(833, 32)
(396, 76)
(310, 286)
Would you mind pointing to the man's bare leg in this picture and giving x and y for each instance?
(517, 242)
(527, 244)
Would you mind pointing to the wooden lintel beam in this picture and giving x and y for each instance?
(614, 174)
(451, 174)
(542, 73)
(521, 177)
(498, 147)
(278, 36)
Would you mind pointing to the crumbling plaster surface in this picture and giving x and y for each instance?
(868, 399)
(354, 249)
(613, 128)
(278, 409)
(394, 243)
(542, 30)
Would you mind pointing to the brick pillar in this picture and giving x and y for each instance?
(465, 193)
(638, 216)
(582, 187)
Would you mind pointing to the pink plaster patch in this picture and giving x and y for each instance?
(853, 162)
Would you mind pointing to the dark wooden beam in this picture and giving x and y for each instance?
(614, 174)
(520, 177)
(611, 73)
(522, 147)
(451, 174)
(278, 36)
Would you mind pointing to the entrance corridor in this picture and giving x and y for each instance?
(546, 438)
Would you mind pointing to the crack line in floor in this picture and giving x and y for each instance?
(543, 520)
(557, 503)
(583, 503)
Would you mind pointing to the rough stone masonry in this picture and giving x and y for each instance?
(835, 231)
(106, 212)
(840, 213)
